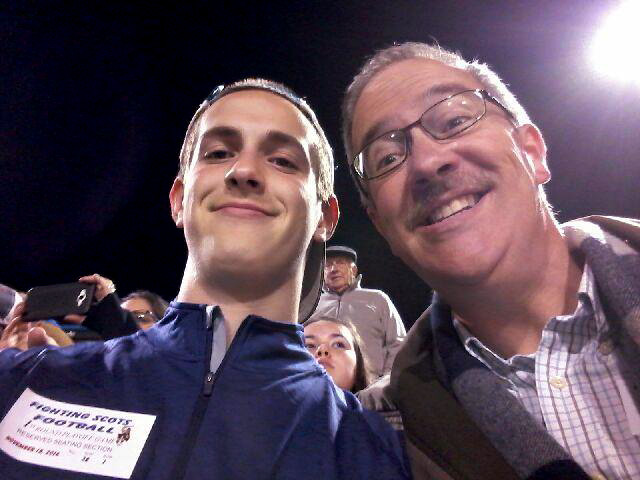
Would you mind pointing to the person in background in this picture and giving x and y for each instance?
(336, 346)
(371, 311)
(8, 298)
(41, 332)
(147, 307)
(106, 317)
(48, 331)
(111, 317)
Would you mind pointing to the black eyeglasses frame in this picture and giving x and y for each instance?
(483, 93)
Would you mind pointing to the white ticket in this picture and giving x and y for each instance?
(74, 437)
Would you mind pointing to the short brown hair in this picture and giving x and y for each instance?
(320, 149)
(382, 59)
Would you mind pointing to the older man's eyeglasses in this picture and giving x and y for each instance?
(446, 119)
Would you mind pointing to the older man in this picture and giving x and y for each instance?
(525, 365)
(223, 386)
(371, 311)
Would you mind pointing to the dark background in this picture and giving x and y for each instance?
(95, 101)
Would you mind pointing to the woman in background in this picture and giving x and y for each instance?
(146, 306)
(336, 346)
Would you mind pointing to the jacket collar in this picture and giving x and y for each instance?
(259, 344)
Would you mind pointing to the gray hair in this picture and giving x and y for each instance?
(490, 81)
(382, 59)
(320, 149)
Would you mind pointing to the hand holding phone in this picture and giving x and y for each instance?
(23, 335)
(58, 300)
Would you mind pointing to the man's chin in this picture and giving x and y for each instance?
(457, 275)
(453, 267)
(336, 288)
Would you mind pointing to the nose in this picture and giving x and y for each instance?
(429, 158)
(322, 351)
(246, 174)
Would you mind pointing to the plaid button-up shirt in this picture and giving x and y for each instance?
(572, 385)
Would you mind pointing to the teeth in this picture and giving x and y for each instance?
(454, 206)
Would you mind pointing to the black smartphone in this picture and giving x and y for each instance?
(58, 300)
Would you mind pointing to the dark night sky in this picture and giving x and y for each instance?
(95, 102)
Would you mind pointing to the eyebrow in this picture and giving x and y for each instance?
(222, 131)
(440, 90)
(332, 335)
(284, 139)
(445, 89)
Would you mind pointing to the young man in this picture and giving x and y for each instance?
(525, 365)
(223, 386)
(371, 311)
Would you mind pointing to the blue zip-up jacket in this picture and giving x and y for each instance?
(269, 412)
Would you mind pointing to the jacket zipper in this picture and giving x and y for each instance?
(202, 402)
(208, 384)
(180, 468)
(210, 376)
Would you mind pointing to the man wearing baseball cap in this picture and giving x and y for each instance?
(371, 311)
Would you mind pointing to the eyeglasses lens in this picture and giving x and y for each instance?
(454, 115)
(443, 120)
(145, 316)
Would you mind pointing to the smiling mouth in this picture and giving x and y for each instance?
(455, 206)
(241, 209)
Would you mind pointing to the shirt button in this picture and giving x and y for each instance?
(606, 347)
(558, 382)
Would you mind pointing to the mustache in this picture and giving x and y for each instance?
(431, 190)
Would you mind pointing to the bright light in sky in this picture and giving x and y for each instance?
(615, 51)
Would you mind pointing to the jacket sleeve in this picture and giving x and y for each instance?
(14, 366)
(394, 333)
(109, 319)
(370, 448)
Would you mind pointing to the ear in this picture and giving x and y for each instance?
(328, 221)
(373, 215)
(175, 199)
(535, 150)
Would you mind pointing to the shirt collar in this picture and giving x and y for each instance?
(587, 298)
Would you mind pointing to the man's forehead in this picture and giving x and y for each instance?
(399, 93)
(260, 108)
(339, 258)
